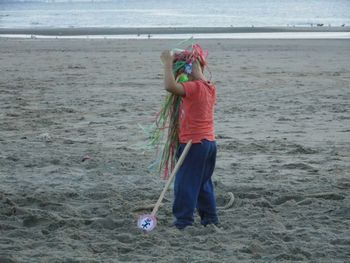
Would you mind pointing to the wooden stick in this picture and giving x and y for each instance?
(177, 166)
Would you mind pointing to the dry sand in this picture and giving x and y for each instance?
(283, 131)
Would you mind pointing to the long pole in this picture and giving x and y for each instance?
(177, 166)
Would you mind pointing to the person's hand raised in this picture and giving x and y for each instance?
(167, 57)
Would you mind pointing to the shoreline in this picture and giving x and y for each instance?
(165, 30)
(223, 36)
(227, 36)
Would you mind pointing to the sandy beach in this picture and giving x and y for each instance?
(74, 176)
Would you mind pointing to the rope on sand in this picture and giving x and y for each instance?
(229, 203)
(150, 206)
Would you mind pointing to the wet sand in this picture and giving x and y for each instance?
(283, 133)
(167, 30)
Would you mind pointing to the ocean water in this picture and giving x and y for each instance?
(175, 13)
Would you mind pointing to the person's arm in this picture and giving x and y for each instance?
(169, 80)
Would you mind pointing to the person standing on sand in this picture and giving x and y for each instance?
(193, 187)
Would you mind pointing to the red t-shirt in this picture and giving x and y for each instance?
(197, 112)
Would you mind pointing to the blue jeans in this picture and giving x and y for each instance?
(193, 187)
